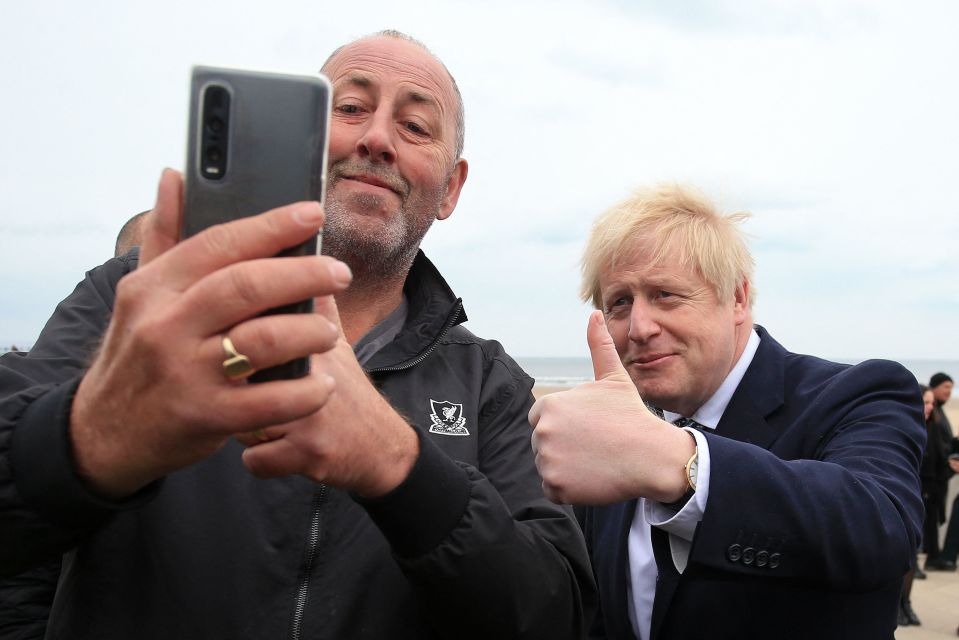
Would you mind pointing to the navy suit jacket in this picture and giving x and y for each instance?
(813, 516)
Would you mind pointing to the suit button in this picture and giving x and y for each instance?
(774, 560)
(734, 552)
(749, 554)
(762, 558)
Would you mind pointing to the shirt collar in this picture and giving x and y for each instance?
(712, 410)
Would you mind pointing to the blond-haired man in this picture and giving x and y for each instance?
(786, 505)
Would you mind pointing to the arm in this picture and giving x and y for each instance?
(488, 534)
(837, 496)
(34, 385)
(78, 442)
(460, 534)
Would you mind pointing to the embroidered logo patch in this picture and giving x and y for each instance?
(447, 419)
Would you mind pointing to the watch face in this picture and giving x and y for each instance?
(692, 472)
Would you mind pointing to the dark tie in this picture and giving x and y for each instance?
(682, 423)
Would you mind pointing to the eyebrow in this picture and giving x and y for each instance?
(422, 98)
(357, 79)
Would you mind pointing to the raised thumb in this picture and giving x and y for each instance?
(606, 362)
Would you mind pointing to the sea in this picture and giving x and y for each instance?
(569, 372)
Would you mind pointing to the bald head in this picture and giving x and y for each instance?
(459, 113)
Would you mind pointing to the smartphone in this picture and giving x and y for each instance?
(256, 141)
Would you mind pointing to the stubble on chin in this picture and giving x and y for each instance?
(363, 233)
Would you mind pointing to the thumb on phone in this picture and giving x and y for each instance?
(606, 362)
(162, 229)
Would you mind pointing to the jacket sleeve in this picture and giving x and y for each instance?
(504, 561)
(835, 500)
(45, 506)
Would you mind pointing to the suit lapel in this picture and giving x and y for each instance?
(760, 392)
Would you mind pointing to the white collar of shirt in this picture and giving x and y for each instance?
(712, 411)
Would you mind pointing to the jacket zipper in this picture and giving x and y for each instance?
(303, 586)
(450, 321)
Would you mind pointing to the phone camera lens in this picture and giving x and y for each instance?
(213, 154)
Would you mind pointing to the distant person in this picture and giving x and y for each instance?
(932, 478)
(766, 494)
(130, 234)
(934, 474)
(941, 385)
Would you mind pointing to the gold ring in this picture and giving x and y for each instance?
(260, 435)
(236, 366)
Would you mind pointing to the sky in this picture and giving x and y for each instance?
(834, 122)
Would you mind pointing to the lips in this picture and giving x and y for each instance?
(376, 182)
(650, 359)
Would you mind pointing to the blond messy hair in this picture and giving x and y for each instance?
(664, 217)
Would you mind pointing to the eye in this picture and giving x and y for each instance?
(617, 304)
(415, 128)
(664, 294)
(348, 108)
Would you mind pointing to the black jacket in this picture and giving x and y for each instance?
(466, 547)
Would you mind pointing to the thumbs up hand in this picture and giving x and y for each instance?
(599, 444)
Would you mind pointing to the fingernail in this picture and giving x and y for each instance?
(309, 215)
(341, 273)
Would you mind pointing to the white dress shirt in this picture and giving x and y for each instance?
(680, 525)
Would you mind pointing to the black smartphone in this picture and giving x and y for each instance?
(256, 141)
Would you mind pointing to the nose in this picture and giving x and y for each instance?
(642, 322)
(377, 144)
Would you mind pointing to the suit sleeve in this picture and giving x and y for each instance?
(504, 560)
(835, 500)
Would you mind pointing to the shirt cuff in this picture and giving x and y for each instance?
(681, 525)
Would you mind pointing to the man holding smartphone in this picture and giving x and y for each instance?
(402, 498)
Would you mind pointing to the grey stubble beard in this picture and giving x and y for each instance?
(381, 257)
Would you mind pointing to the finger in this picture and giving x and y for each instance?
(326, 307)
(240, 291)
(233, 409)
(161, 230)
(535, 413)
(606, 362)
(275, 459)
(259, 236)
(275, 339)
(259, 436)
(252, 438)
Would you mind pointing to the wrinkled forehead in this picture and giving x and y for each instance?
(380, 60)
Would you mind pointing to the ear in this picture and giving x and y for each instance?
(453, 188)
(741, 308)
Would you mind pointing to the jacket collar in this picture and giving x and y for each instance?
(433, 310)
(759, 394)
